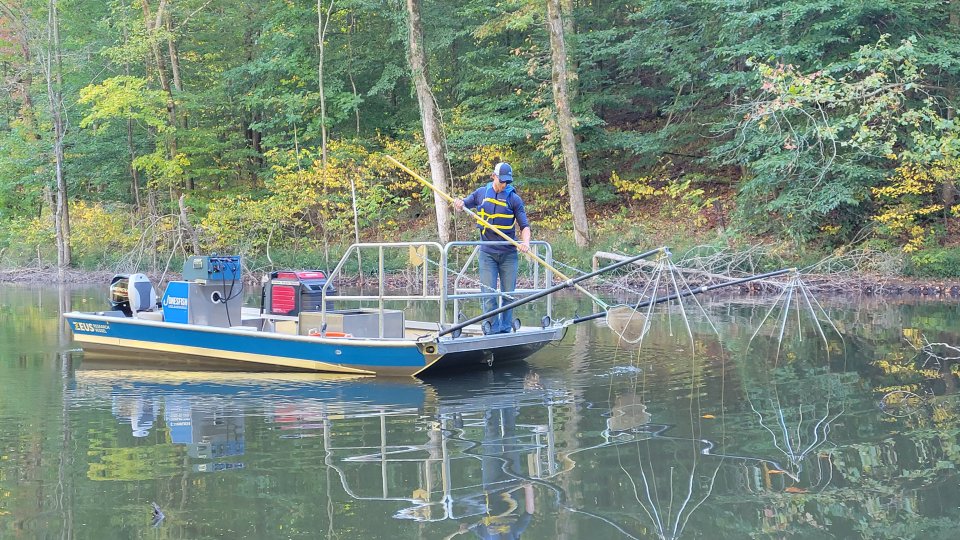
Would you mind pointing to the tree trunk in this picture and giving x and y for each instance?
(172, 51)
(321, 35)
(132, 150)
(429, 114)
(566, 9)
(948, 191)
(153, 212)
(187, 227)
(568, 141)
(152, 26)
(54, 74)
(356, 222)
(134, 174)
(158, 56)
(569, 32)
(180, 119)
(252, 136)
(351, 29)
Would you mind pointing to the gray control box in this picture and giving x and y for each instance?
(215, 305)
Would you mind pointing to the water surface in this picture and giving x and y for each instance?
(722, 431)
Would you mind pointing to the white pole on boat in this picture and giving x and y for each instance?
(483, 222)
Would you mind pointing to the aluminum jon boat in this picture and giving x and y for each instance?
(304, 324)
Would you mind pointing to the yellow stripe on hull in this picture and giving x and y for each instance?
(262, 359)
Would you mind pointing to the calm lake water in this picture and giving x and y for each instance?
(741, 427)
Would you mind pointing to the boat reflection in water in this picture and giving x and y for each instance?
(137, 410)
(209, 432)
(502, 440)
(480, 455)
(471, 450)
(207, 436)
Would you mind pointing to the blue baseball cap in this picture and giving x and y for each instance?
(504, 172)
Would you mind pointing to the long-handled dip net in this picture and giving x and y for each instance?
(794, 312)
(665, 285)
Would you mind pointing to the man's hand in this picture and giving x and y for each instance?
(525, 240)
(458, 204)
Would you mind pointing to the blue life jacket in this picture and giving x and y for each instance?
(498, 213)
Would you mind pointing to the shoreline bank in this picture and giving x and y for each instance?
(846, 284)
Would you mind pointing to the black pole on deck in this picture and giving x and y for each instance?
(551, 290)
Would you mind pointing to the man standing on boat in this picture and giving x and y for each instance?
(499, 204)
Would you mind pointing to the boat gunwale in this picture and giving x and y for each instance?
(354, 341)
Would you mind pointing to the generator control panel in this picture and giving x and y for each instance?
(219, 268)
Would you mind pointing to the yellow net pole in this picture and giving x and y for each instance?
(483, 222)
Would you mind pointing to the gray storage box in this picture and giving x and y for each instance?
(192, 302)
(357, 322)
(207, 306)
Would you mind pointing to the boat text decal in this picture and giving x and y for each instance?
(95, 328)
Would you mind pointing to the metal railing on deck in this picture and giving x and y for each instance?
(538, 273)
(435, 276)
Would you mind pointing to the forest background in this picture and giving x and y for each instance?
(133, 132)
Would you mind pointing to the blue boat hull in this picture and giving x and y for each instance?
(155, 343)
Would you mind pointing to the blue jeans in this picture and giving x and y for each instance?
(504, 267)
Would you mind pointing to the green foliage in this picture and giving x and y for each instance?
(655, 82)
(818, 142)
(164, 172)
(306, 199)
(101, 237)
(21, 173)
(601, 193)
(24, 241)
(934, 263)
(124, 98)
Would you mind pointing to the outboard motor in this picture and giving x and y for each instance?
(132, 293)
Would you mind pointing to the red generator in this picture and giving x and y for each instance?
(288, 292)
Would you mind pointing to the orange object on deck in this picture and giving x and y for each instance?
(331, 333)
